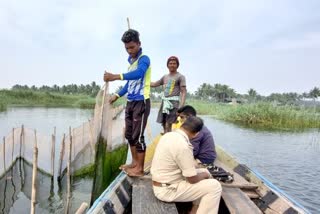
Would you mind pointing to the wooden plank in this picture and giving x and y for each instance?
(238, 202)
(248, 186)
(251, 193)
(144, 201)
(238, 179)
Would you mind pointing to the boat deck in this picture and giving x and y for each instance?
(144, 201)
(235, 196)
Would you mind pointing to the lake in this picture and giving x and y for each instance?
(290, 160)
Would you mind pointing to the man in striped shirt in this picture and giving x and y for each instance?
(137, 89)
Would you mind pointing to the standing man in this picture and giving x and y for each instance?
(138, 102)
(204, 150)
(174, 94)
(174, 176)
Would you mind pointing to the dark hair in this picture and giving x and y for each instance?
(173, 58)
(130, 36)
(187, 110)
(193, 124)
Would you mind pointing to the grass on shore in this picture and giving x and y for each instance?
(262, 115)
(32, 98)
(46, 99)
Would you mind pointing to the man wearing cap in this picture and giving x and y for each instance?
(174, 94)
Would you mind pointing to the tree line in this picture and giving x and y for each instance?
(88, 89)
(223, 93)
(216, 93)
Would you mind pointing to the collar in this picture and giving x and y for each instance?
(184, 135)
(138, 55)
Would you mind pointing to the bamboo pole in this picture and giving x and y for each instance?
(53, 150)
(128, 22)
(4, 153)
(12, 145)
(68, 174)
(21, 155)
(34, 175)
(73, 137)
(82, 137)
(61, 155)
(21, 138)
(82, 208)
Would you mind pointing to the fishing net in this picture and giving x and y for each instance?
(78, 149)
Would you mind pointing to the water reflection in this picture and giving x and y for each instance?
(16, 187)
(290, 160)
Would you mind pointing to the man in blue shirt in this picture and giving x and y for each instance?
(137, 89)
(203, 144)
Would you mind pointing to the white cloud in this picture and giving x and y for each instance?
(216, 41)
(306, 40)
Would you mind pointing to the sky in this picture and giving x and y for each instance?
(271, 46)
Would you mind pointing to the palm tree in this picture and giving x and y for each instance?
(252, 94)
(314, 94)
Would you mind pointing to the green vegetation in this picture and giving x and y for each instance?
(276, 111)
(3, 106)
(262, 114)
(107, 165)
(89, 89)
(84, 171)
(35, 98)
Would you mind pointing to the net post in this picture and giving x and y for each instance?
(69, 174)
(4, 153)
(53, 150)
(34, 175)
(61, 155)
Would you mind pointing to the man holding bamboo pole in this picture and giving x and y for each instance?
(137, 89)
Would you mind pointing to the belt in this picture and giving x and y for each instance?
(157, 184)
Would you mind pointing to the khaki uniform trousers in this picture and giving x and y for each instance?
(206, 193)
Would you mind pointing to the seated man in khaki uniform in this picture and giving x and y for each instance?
(175, 178)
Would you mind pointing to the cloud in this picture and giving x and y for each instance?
(58, 42)
(303, 41)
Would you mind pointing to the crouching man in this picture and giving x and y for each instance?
(174, 176)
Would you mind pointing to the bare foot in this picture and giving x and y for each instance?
(127, 166)
(134, 172)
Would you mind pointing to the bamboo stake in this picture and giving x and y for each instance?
(68, 174)
(34, 175)
(61, 155)
(21, 155)
(109, 130)
(24, 142)
(82, 208)
(12, 145)
(82, 137)
(4, 153)
(53, 150)
(106, 87)
(21, 138)
(72, 137)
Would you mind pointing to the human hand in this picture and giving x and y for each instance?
(109, 76)
(113, 98)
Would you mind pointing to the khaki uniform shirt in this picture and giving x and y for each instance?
(173, 159)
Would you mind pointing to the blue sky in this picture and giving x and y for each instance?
(271, 46)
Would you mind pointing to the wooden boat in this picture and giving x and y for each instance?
(249, 193)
